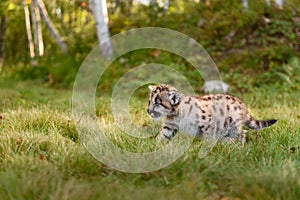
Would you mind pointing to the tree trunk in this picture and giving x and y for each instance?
(28, 30)
(37, 27)
(40, 32)
(166, 6)
(34, 24)
(51, 26)
(279, 3)
(2, 39)
(99, 10)
(245, 4)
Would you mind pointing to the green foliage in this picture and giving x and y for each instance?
(287, 75)
(3, 7)
(58, 71)
(16, 45)
(243, 43)
(73, 21)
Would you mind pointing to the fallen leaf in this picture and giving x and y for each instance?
(42, 157)
(19, 140)
(156, 53)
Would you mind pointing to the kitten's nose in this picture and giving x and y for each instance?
(148, 111)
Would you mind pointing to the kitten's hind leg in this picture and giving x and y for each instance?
(234, 134)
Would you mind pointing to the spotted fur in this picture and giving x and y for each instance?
(219, 115)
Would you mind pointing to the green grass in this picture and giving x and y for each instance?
(41, 155)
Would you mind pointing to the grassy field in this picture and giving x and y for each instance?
(42, 156)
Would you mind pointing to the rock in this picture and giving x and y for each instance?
(215, 86)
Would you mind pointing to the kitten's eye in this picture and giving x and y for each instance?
(157, 100)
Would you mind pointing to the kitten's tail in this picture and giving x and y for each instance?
(259, 124)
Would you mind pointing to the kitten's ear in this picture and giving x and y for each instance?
(174, 97)
(151, 87)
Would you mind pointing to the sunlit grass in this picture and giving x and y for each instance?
(41, 155)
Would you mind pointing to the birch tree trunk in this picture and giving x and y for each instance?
(28, 30)
(279, 3)
(54, 32)
(2, 39)
(37, 27)
(166, 6)
(99, 10)
(245, 4)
